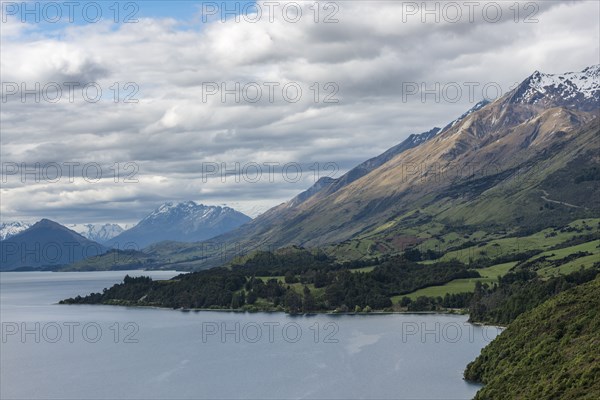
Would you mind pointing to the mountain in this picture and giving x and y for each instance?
(469, 173)
(550, 352)
(100, 233)
(183, 222)
(482, 149)
(325, 186)
(8, 229)
(525, 162)
(46, 244)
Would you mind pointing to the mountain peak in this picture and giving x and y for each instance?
(185, 221)
(45, 222)
(570, 89)
(96, 232)
(171, 206)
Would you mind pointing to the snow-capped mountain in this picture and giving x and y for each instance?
(8, 229)
(579, 90)
(100, 233)
(96, 232)
(183, 222)
(46, 244)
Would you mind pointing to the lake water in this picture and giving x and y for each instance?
(51, 351)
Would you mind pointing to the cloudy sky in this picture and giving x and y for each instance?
(243, 103)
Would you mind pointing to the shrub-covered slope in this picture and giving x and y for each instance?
(550, 352)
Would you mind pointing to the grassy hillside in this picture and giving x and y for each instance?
(489, 275)
(561, 260)
(550, 352)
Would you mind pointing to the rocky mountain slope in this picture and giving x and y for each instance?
(490, 147)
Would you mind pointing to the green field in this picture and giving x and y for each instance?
(539, 240)
(488, 275)
(591, 247)
(574, 265)
(512, 245)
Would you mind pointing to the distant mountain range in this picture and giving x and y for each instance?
(46, 244)
(100, 233)
(183, 222)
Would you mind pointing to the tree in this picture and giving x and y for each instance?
(293, 302)
(321, 279)
(334, 294)
(237, 300)
(413, 254)
(308, 301)
(290, 277)
(251, 299)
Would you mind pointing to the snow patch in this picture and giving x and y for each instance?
(567, 85)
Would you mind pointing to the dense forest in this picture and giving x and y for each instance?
(521, 291)
(298, 280)
(292, 281)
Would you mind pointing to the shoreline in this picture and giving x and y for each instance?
(97, 270)
(330, 313)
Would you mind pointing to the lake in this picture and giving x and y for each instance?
(51, 351)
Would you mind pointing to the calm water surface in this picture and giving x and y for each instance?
(51, 351)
